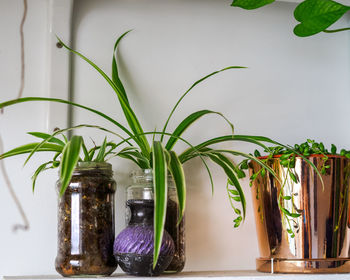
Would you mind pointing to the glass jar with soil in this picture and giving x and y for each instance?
(86, 222)
(139, 210)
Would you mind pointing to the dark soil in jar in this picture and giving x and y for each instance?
(86, 226)
(142, 265)
(176, 232)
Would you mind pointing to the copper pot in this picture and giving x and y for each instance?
(318, 241)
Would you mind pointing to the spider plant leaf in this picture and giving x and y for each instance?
(70, 158)
(187, 122)
(317, 15)
(30, 99)
(85, 151)
(25, 149)
(136, 157)
(101, 153)
(248, 156)
(128, 112)
(193, 85)
(178, 174)
(232, 177)
(240, 174)
(243, 138)
(40, 169)
(129, 157)
(47, 136)
(251, 4)
(115, 75)
(160, 185)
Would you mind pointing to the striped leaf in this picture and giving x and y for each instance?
(47, 137)
(70, 158)
(243, 138)
(101, 153)
(40, 169)
(178, 174)
(160, 185)
(28, 148)
(115, 75)
(186, 123)
(191, 87)
(231, 175)
(30, 99)
(128, 112)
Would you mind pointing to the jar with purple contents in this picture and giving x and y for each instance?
(139, 219)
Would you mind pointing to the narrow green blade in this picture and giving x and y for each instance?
(26, 149)
(31, 99)
(115, 75)
(231, 175)
(160, 196)
(195, 84)
(128, 112)
(178, 174)
(40, 169)
(47, 137)
(186, 123)
(243, 138)
(101, 153)
(70, 157)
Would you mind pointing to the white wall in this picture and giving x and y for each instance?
(294, 88)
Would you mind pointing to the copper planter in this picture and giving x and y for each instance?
(321, 242)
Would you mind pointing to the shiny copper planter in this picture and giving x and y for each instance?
(322, 232)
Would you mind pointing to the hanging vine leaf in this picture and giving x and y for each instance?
(317, 15)
(251, 4)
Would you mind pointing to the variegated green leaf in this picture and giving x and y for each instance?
(28, 148)
(193, 85)
(187, 122)
(115, 75)
(178, 175)
(70, 157)
(160, 185)
(47, 137)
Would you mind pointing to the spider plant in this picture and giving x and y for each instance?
(66, 154)
(159, 153)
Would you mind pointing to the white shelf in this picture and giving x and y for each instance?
(213, 275)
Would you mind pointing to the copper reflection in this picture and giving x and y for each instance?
(322, 236)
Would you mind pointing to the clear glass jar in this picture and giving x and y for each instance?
(86, 222)
(141, 192)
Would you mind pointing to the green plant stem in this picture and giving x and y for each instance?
(336, 30)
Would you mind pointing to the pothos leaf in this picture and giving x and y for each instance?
(251, 4)
(317, 15)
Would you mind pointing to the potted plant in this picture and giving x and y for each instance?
(158, 155)
(86, 201)
(302, 218)
(314, 16)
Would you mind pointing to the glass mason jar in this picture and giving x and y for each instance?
(86, 222)
(141, 192)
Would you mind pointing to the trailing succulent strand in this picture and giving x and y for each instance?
(286, 155)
